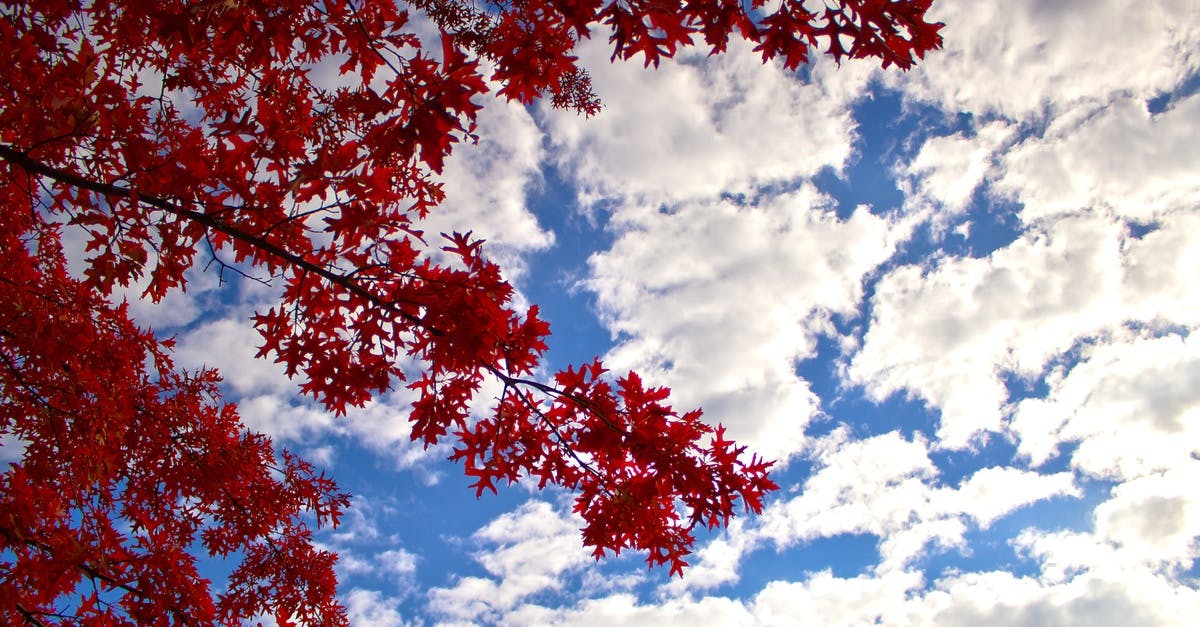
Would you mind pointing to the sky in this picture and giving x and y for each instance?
(955, 304)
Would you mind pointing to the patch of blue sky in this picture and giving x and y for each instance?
(845, 555)
(994, 223)
(403, 510)
(955, 466)
(890, 130)
(846, 404)
(553, 282)
(992, 548)
(1185, 88)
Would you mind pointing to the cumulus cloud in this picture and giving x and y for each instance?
(720, 300)
(369, 608)
(947, 170)
(1132, 406)
(1121, 158)
(994, 492)
(525, 552)
(825, 598)
(948, 333)
(1021, 57)
(487, 185)
(269, 402)
(624, 609)
(872, 485)
(229, 345)
(884, 486)
(397, 563)
(887, 486)
(900, 598)
(1000, 598)
(700, 126)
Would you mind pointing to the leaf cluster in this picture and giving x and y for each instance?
(299, 143)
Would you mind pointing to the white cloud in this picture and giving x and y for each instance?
(1000, 598)
(863, 600)
(717, 562)
(992, 493)
(369, 608)
(720, 301)
(623, 609)
(1121, 159)
(283, 417)
(397, 563)
(700, 126)
(229, 345)
(1157, 517)
(528, 550)
(873, 485)
(1132, 406)
(1020, 57)
(948, 333)
(179, 307)
(898, 598)
(382, 425)
(487, 187)
(269, 402)
(947, 170)
(12, 449)
(884, 486)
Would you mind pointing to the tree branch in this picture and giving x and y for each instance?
(34, 166)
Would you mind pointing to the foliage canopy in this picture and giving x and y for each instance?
(178, 132)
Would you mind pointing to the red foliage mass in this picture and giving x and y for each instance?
(173, 132)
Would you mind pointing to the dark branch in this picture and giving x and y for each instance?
(37, 167)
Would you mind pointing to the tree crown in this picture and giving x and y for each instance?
(176, 133)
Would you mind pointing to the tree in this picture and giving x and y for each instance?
(176, 133)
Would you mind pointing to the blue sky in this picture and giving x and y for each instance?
(955, 303)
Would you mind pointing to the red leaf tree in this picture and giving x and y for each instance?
(181, 132)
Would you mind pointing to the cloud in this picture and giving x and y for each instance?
(1132, 406)
(1021, 57)
(285, 418)
(884, 486)
(1000, 598)
(12, 449)
(720, 300)
(229, 345)
(527, 551)
(369, 608)
(382, 425)
(266, 398)
(994, 492)
(947, 333)
(900, 598)
(487, 186)
(624, 609)
(1121, 159)
(397, 563)
(834, 600)
(947, 170)
(873, 485)
(701, 126)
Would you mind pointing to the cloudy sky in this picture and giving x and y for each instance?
(956, 304)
